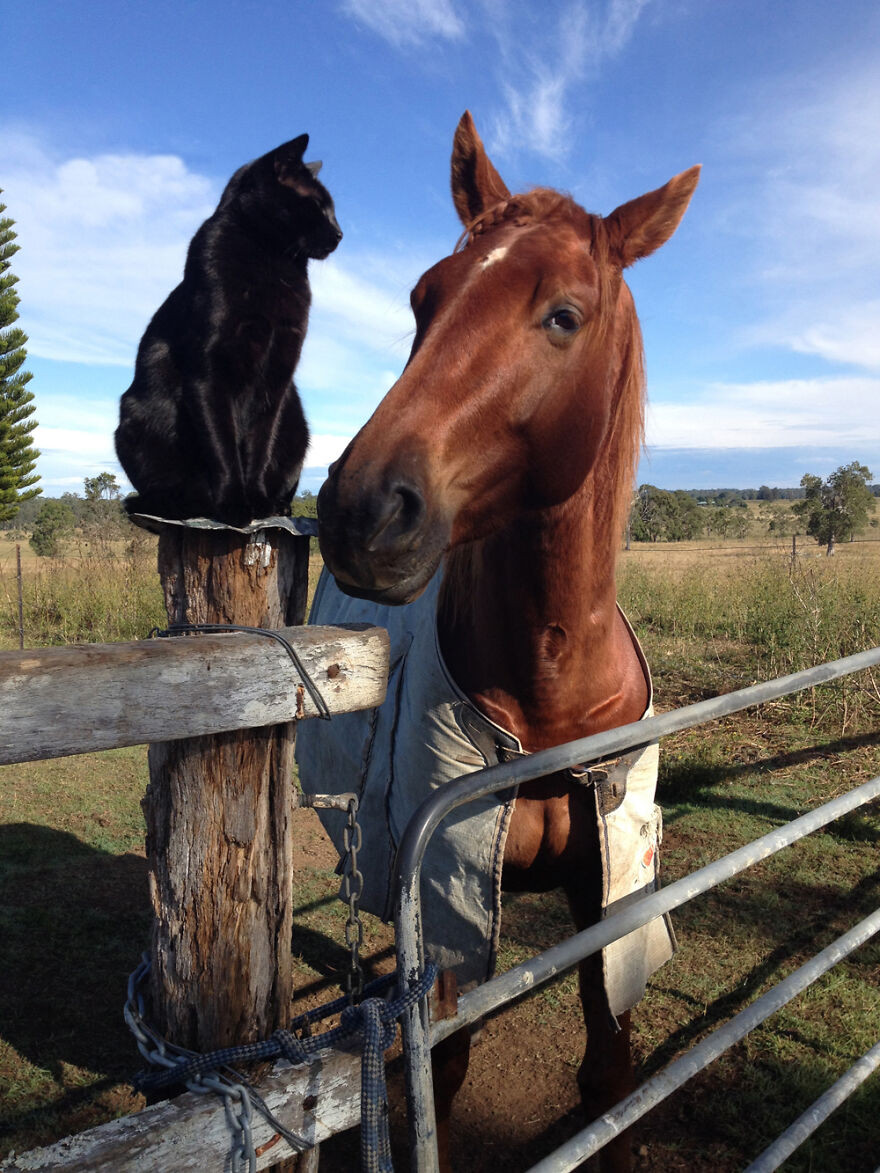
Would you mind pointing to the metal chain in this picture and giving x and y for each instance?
(374, 1019)
(238, 1097)
(352, 883)
(352, 889)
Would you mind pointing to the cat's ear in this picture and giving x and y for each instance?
(288, 158)
(314, 168)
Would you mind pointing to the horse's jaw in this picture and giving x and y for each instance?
(396, 595)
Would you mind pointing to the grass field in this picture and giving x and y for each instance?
(74, 912)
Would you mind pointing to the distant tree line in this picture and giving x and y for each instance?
(663, 515)
(97, 515)
(764, 493)
(830, 510)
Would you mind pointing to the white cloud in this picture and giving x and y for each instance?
(808, 153)
(838, 412)
(408, 22)
(90, 446)
(374, 314)
(542, 64)
(847, 334)
(103, 241)
(324, 449)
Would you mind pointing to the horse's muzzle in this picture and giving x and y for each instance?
(380, 542)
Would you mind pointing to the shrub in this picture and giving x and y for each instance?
(54, 522)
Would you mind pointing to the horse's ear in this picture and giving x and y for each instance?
(476, 185)
(638, 228)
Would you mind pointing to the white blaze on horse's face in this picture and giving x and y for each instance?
(496, 254)
(524, 339)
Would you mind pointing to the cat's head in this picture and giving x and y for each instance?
(281, 195)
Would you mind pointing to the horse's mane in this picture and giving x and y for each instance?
(615, 470)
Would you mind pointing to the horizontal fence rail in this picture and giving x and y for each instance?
(418, 1033)
(649, 1095)
(530, 975)
(87, 697)
(806, 1124)
(191, 1132)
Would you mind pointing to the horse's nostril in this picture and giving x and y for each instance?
(412, 507)
(404, 509)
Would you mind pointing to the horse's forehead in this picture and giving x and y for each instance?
(511, 250)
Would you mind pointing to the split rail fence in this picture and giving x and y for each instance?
(128, 694)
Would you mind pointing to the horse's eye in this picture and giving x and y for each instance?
(562, 322)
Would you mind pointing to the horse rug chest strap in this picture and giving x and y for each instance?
(426, 734)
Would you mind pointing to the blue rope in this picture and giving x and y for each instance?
(375, 1019)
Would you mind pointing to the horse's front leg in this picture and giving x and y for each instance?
(606, 1074)
(449, 1063)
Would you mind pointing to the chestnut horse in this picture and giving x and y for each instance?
(507, 451)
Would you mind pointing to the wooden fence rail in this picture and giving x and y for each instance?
(191, 1131)
(60, 701)
(70, 700)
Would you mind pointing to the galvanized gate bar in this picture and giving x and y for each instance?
(588, 1142)
(818, 1112)
(538, 970)
(411, 849)
(601, 745)
(415, 1024)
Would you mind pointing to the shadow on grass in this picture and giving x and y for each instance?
(73, 923)
(695, 778)
(816, 915)
(331, 960)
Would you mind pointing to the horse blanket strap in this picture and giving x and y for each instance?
(426, 734)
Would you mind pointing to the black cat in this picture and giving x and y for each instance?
(212, 425)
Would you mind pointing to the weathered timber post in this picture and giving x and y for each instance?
(218, 811)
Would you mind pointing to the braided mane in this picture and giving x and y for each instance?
(541, 204)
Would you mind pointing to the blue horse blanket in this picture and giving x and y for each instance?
(424, 735)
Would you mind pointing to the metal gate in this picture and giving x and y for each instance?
(420, 1034)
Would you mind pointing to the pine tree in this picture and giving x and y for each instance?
(18, 457)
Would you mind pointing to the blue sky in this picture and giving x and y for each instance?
(121, 123)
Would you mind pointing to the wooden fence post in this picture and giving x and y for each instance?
(218, 811)
(20, 597)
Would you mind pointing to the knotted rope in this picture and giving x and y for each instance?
(374, 1019)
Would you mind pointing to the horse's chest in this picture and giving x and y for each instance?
(553, 841)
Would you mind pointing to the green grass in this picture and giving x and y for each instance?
(74, 916)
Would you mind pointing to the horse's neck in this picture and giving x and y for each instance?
(530, 630)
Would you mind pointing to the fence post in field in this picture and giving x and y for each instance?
(218, 811)
(20, 597)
